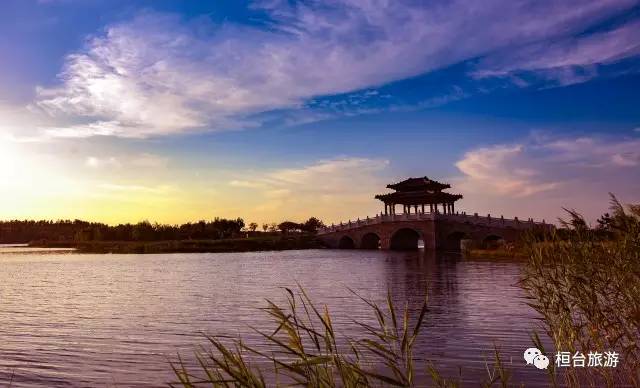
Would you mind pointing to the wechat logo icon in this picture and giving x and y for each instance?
(534, 356)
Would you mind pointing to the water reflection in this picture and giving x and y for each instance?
(103, 320)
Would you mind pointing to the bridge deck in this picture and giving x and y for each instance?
(462, 218)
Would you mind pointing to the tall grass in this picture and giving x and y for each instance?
(305, 350)
(587, 290)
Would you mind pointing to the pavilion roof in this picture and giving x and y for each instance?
(422, 184)
(418, 197)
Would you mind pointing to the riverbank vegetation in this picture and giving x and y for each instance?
(584, 282)
(218, 235)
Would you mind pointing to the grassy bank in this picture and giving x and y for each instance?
(269, 243)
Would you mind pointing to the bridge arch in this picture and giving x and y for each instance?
(492, 241)
(370, 241)
(346, 242)
(405, 239)
(452, 240)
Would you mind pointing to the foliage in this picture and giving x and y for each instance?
(289, 226)
(79, 231)
(310, 226)
(587, 290)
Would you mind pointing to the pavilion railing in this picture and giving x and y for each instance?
(474, 219)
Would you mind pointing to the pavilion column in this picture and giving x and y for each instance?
(386, 207)
(453, 208)
(430, 208)
(423, 208)
(415, 207)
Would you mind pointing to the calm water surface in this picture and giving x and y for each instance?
(77, 320)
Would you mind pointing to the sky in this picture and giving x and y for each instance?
(272, 110)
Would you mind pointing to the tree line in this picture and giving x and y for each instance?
(19, 231)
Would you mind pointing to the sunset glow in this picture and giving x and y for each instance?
(164, 114)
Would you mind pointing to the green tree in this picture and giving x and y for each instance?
(289, 226)
(312, 225)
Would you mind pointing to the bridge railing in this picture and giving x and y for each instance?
(474, 219)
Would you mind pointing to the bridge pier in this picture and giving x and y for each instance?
(385, 243)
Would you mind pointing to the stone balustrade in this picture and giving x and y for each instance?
(474, 219)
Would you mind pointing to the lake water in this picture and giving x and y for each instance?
(78, 320)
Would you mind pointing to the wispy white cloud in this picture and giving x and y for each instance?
(567, 60)
(246, 184)
(96, 162)
(505, 170)
(123, 188)
(333, 189)
(145, 160)
(159, 74)
(541, 174)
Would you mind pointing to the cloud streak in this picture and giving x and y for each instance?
(568, 60)
(333, 189)
(541, 174)
(159, 74)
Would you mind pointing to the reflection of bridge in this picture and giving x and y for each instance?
(434, 221)
(436, 230)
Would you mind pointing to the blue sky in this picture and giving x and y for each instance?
(180, 110)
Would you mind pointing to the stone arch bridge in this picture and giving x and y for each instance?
(431, 230)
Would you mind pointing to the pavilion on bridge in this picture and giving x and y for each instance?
(416, 193)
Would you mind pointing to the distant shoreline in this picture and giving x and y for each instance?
(250, 244)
